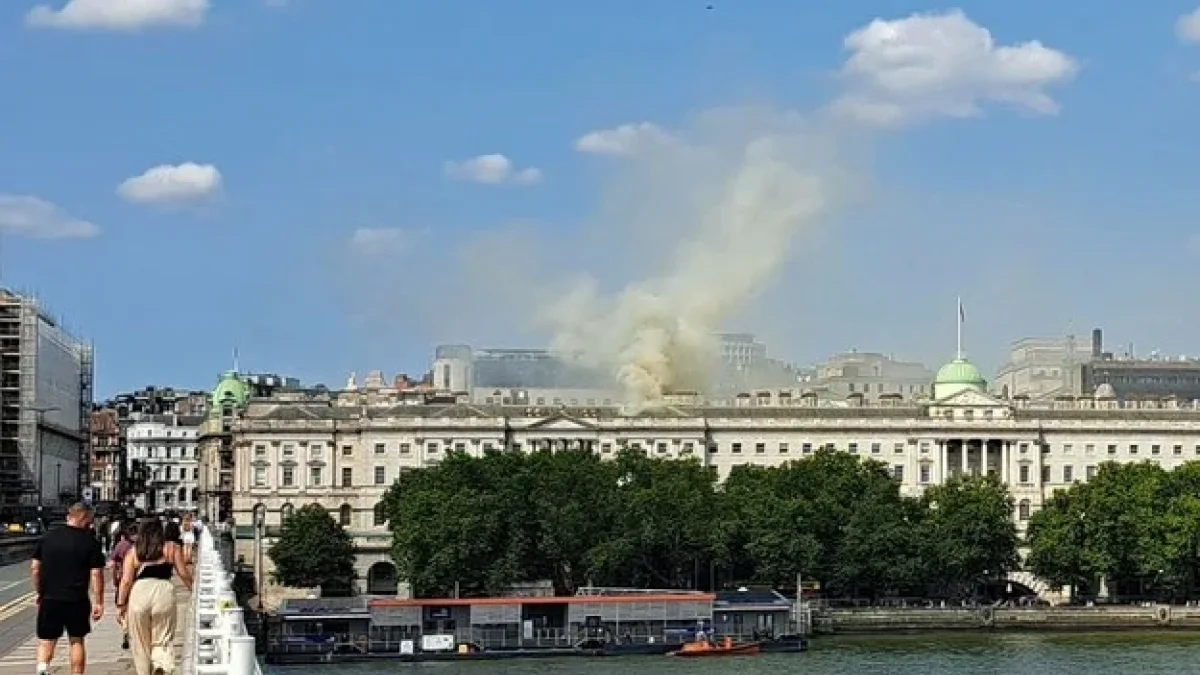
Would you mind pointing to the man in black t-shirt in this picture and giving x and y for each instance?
(67, 561)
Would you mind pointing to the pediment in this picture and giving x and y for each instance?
(561, 423)
(970, 398)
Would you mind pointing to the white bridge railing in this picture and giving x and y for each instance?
(216, 641)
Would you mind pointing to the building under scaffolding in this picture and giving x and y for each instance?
(45, 408)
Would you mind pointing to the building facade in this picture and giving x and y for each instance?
(45, 407)
(167, 444)
(343, 450)
(108, 455)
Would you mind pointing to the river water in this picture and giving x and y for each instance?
(944, 654)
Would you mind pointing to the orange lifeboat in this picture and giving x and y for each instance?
(702, 648)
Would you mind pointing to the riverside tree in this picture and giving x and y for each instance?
(314, 551)
(1134, 526)
(478, 524)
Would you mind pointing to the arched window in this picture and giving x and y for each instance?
(380, 515)
(344, 514)
(1023, 509)
(285, 511)
(260, 513)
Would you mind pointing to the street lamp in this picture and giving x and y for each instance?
(40, 412)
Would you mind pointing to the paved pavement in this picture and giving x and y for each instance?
(16, 606)
(105, 656)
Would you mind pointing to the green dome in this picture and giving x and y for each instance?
(960, 371)
(957, 376)
(231, 389)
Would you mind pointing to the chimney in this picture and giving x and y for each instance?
(1097, 343)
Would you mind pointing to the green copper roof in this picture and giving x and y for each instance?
(229, 389)
(960, 371)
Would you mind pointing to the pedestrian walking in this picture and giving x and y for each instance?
(66, 563)
(125, 541)
(187, 536)
(146, 599)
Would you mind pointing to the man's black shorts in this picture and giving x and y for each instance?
(56, 616)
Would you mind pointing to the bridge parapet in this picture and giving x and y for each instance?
(217, 642)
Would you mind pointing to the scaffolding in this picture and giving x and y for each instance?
(83, 478)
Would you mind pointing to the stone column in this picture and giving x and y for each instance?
(1005, 458)
(943, 462)
(966, 456)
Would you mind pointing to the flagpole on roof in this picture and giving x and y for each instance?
(961, 317)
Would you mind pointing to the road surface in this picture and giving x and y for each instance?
(16, 606)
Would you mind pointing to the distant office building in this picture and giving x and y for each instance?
(45, 406)
(1062, 367)
(872, 375)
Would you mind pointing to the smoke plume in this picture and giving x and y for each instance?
(724, 202)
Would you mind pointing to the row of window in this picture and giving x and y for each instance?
(167, 497)
(170, 473)
(316, 476)
(345, 514)
(164, 452)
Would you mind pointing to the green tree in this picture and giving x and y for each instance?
(663, 526)
(451, 524)
(967, 535)
(762, 535)
(314, 551)
(1125, 528)
(1058, 541)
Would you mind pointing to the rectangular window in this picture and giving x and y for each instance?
(689, 448)
(1133, 449)
(380, 448)
(380, 475)
(347, 477)
(260, 452)
(876, 448)
(737, 448)
(460, 447)
(783, 448)
(1112, 449)
(806, 448)
(1045, 474)
(760, 448)
(314, 476)
(924, 474)
(260, 476)
(854, 448)
(289, 477)
(1024, 473)
(1155, 449)
(289, 451)
(1090, 472)
(605, 448)
(661, 448)
(405, 448)
(347, 450)
(898, 472)
(1068, 474)
(1177, 450)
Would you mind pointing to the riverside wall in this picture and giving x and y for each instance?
(1097, 618)
(17, 549)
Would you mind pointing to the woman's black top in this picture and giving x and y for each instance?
(158, 570)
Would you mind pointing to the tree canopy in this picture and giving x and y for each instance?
(1136, 526)
(479, 524)
(313, 550)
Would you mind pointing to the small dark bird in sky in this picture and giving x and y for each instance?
(709, 7)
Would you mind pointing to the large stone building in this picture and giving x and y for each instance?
(342, 450)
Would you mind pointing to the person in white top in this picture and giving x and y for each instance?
(187, 535)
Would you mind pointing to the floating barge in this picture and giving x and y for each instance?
(597, 622)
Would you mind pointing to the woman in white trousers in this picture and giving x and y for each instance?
(146, 599)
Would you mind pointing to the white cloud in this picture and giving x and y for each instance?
(120, 15)
(380, 240)
(623, 140)
(1187, 27)
(167, 184)
(28, 216)
(944, 65)
(494, 169)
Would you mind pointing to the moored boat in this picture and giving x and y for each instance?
(702, 648)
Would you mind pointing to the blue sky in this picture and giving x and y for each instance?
(1054, 189)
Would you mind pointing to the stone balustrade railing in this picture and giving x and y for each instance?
(216, 642)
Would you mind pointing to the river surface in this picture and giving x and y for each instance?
(999, 653)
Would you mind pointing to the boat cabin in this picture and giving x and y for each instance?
(320, 626)
(753, 614)
(601, 617)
